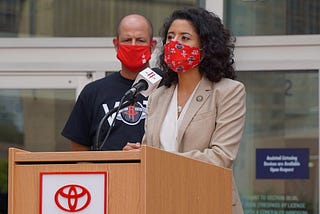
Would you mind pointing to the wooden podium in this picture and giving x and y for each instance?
(150, 181)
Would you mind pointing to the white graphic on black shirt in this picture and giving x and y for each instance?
(130, 115)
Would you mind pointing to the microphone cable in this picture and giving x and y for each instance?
(122, 104)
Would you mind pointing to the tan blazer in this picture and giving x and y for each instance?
(212, 127)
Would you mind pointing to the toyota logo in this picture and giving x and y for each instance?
(72, 198)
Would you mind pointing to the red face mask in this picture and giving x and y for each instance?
(180, 57)
(134, 57)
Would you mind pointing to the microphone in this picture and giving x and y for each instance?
(137, 88)
(146, 81)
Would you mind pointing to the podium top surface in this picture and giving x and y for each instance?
(74, 156)
(20, 156)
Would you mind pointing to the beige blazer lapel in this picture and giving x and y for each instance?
(202, 93)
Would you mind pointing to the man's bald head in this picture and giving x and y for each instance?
(133, 30)
(132, 20)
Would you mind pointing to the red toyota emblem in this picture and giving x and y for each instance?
(72, 198)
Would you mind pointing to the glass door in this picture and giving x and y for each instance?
(33, 111)
(277, 170)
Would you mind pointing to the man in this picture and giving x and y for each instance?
(134, 44)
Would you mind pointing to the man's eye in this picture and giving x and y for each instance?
(126, 41)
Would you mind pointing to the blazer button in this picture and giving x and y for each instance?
(199, 98)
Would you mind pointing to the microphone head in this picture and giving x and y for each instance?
(151, 77)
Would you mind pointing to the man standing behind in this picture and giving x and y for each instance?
(134, 44)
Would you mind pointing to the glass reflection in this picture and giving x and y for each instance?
(272, 17)
(282, 113)
(79, 18)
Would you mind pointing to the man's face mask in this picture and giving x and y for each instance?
(180, 57)
(134, 57)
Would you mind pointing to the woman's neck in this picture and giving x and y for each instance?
(187, 82)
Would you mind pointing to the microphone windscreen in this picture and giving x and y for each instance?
(151, 77)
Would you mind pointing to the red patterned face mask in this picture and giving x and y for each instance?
(180, 57)
(134, 57)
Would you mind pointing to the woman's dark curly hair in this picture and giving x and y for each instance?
(216, 43)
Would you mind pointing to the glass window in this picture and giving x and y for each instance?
(31, 119)
(272, 17)
(79, 18)
(282, 130)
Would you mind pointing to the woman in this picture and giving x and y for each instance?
(200, 110)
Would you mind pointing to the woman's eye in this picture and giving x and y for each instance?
(169, 37)
(184, 38)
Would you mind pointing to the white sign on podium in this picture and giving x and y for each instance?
(73, 192)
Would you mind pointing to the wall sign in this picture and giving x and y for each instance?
(282, 163)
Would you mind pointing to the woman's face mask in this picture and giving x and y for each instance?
(180, 57)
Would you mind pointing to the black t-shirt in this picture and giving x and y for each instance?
(94, 102)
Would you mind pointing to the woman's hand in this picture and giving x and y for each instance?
(132, 146)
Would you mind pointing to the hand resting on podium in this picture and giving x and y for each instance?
(132, 146)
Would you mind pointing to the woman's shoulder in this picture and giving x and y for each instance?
(161, 94)
(226, 83)
(228, 87)
(161, 89)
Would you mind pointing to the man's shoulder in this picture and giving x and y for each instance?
(102, 81)
(115, 76)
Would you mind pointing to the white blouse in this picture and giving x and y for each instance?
(171, 123)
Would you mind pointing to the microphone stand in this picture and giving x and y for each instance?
(97, 146)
